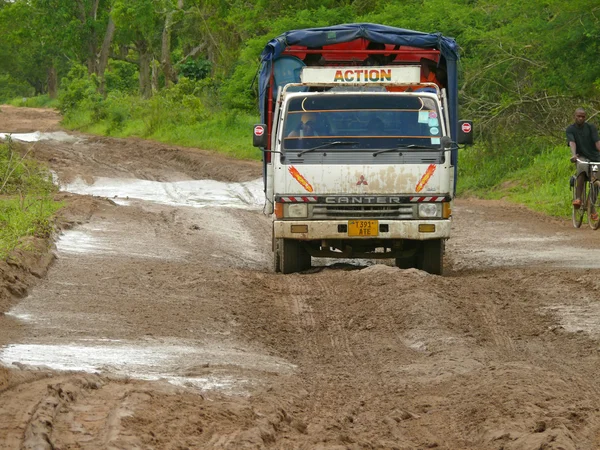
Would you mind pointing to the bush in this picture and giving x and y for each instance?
(121, 76)
(194, 70)
(10, 89)
(78, 87)
(26, 204)
(20, 175)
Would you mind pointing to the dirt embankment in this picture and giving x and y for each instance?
(160, 326)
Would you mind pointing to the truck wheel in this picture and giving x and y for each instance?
(277, 257)
(406, 262)
(292, 256)
(431, 257)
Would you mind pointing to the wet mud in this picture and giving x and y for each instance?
(153, 321)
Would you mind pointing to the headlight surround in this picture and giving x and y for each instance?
(430, 210)
(295, 210)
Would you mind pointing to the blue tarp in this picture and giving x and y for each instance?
(318, 37)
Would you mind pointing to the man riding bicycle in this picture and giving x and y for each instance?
(582, 138)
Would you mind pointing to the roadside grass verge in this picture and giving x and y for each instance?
(170, 117)
(540, 182)
(26, 199)
(40, 101)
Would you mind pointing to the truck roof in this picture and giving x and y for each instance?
(403, 45)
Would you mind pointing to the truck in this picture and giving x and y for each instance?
(360, 136)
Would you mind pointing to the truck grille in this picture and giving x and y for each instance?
(323, 212)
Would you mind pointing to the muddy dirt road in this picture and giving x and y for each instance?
(159, 324)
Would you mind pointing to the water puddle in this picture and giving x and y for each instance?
(112, 240)
(67, 337)
(197, 193)
(201, 367)
(515, 246)
(60, 136)
(579, 318)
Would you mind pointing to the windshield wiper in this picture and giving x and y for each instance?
(410, 147)
(329, 144)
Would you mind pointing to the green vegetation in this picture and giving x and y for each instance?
(26, 203)
(539, 181)
(40, 101)
(186, 114)
(182, 71)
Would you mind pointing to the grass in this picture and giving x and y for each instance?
(29, 215)
(40, 101)
(182, 120)
(541, 183)
(26, 199)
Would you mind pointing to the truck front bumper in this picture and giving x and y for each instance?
(308, 230)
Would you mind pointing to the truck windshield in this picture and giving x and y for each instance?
(367, 121)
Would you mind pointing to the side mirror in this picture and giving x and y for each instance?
(446, 143)
(465, 132)
(260, 136)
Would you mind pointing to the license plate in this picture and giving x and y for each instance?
(363, 228)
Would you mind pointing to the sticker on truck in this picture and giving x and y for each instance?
(425, 178)
(300, 179)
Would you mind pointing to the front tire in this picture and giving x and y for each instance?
(431, 257)
(594, 205)
(277, 258)
(578, 213)
(291, 256)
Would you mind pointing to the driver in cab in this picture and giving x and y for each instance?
(307, 127)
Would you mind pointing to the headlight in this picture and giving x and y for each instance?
(429, 210)
(296, 210)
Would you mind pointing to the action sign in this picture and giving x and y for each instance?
(466, 127)
(361, 75)
(259, 130)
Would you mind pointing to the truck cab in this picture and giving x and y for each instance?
(360, 160)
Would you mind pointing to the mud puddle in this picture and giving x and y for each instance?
(200, 367)
(517, 244)
(60, 136)
(108, 240)
(583, 318)
(197, 193)
(113, 299)
(126, 328)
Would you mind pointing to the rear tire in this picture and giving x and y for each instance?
(431, 257)
(292, 256)
(594, 205)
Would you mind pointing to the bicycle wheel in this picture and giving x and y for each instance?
(578, 213)
(594, 205)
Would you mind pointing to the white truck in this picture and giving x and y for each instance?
(360, 137)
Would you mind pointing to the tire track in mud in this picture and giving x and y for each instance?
(71, 410)
(18, 406)
(341, 353)
(492, 323)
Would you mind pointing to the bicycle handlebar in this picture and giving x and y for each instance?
(587, 162)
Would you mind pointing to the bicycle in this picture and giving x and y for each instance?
(590, 196)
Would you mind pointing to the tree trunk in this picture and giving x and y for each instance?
(165, 60)
(52, 83)
(103, 62)
(145, 58)
(155, 70)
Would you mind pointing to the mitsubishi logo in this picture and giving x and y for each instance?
(362, 180)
